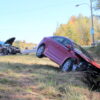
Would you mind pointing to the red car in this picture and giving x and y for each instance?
(66, 53)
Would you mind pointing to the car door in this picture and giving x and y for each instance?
(67, 49)
(54, 49)
(59, 50)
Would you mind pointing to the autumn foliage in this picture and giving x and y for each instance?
(78, 29)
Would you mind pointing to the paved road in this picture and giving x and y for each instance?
(28, 51)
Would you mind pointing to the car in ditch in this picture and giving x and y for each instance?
(66, 53)
(6, 48)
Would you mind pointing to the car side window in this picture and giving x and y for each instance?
(67, 42)
(58, 39)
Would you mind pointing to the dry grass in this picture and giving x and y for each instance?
(25, 77)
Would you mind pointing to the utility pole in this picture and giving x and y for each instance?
(92, 24)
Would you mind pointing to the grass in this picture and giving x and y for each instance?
(96, 50)
(26, 77)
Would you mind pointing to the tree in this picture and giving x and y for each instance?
(23, 44)
(97, 28)
(78, 29)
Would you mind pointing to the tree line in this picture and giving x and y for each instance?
(78, 29)
(24, 45)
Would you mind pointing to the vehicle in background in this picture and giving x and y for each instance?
(7, 48)
(65, 52)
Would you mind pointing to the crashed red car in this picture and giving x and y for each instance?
(63, 51)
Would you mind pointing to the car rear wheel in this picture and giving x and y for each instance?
(40, 50)
(67, 66)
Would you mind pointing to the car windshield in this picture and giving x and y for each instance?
(83, 51)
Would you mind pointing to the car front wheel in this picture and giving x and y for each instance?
(67, 66)
(40, 50)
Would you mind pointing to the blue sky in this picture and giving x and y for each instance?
(31, 20)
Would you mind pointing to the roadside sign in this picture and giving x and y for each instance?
(92, 31)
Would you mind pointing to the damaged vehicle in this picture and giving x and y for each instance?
(7, 48)
(66, 53)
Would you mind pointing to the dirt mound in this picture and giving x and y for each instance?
(92, 79)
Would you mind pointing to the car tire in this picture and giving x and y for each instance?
(40, 50)
(67, 65)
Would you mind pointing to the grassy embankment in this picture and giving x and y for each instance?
(30, 78)
(95, 52)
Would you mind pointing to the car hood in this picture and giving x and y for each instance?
(10, 41)
(92, 62)
(95, 64)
